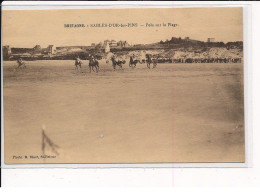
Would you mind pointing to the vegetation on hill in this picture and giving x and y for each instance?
(175, 47)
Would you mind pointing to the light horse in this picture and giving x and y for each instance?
(117, 63)
(78, 62)
(149, 60)
(21, 64)
(93, 63)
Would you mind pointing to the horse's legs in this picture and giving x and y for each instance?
(89, 69)
(93, 68)
(154, 65)
(80, 68)
(19, 66)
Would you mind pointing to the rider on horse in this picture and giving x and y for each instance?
(77, 62)
(150, 60)
(132, 59)
(20, 63)
(93, 58)
(93, 62)
(113, 58)
(20, 60)
(148, 57)
(77, 59)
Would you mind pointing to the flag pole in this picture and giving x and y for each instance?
(47, 141)
(43, 141)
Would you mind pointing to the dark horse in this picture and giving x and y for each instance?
(132, 62)
(20, 64)
(117, 63)
(93, 63)
(149, 60)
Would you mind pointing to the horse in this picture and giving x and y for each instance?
(20, 64)
(117, 63)
(149, 60)
(78, 63)
(132, 62)
(93, 63)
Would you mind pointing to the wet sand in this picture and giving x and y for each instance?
(174, 113)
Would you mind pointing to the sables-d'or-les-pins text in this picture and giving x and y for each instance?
(119, 25)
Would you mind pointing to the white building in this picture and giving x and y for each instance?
(107, 48)
(51, 49)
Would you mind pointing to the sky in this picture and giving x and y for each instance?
(26, 28)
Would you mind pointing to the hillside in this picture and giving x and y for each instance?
(176, 48)
(216, 52)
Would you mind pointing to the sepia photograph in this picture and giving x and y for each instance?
(128, 85)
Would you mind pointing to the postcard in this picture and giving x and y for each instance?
(128, 85)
